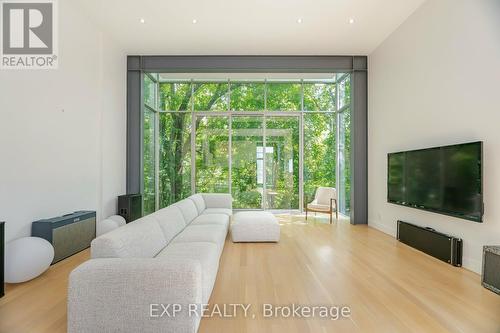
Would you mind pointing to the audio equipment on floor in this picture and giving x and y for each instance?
(441, 246)
(69, 234)
(130, 206)
(2, 255)
(490, 277)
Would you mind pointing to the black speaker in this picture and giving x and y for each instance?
(130, 206)
(441, 246)
(490, 277)
(2, 255)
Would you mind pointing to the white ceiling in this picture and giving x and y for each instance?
(250, 26)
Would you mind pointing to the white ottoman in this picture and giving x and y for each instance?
(255, 227)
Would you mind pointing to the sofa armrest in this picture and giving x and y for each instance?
(218, 200)
(120, 295)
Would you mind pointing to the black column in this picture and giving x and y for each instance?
(2, 255)
(359, 141)
(134, 125)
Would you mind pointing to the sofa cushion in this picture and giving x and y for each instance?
(218, 200)
(199, 202)
(170, 220)
(324, 194)
(188, 209)
(315, 206)
(203, 233)
(207, 254)
(219, 219)
(142, 238)
(227, 211)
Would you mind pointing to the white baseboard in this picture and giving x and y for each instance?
(472, 265)
(381, 227)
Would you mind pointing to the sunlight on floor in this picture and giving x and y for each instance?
(313, 218)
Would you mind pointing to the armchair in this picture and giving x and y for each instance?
(325, 201)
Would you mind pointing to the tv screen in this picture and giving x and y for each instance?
(446, 180)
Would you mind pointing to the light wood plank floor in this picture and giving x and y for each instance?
(388, 286)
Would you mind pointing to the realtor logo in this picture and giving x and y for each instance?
(28, 34)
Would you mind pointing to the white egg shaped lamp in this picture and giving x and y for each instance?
(119, 219)
(26, 258)
(105, 226)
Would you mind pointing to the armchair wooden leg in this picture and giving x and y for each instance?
(331, 217)
(306, 213)
(336, 209)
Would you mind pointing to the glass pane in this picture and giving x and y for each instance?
(284, 96)
(282, 163)
(247, 96)
(149, 91)
(320, 148)
(175, 96)
(212, 151)
(345, 92)
(319, 97)
(345, 162)
(175, 157)
(210, 96)
(248, 166)
(149, 162)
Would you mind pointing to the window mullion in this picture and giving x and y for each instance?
(264, 149)
(193, 141)
(301, 150)
(230, 139)
(338, 153)
(156, 140)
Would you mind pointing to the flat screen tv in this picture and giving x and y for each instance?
(446, 180)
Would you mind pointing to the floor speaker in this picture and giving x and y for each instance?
(441, 246)
(2, 256)
(69, 234)
(130, 206)
(490, 276)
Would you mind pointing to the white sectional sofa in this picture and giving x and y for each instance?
(168, 257)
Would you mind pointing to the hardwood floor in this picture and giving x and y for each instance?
(388, 286)
(39, 305)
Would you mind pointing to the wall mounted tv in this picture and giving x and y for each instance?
(446, 180)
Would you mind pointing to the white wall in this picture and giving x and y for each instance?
(436, 81)
(113, 127)
(62, 132)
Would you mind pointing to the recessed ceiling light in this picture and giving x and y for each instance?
(351, 20)
(142, 20)
(195, 21)
(299, 20)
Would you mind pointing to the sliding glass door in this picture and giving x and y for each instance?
(320, 152)
(212, 154)
(247, 163)
(281, 149)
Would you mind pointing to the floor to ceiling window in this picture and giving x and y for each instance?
(173, 165)
(148, 149)
(344, 144)
(270, 143)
